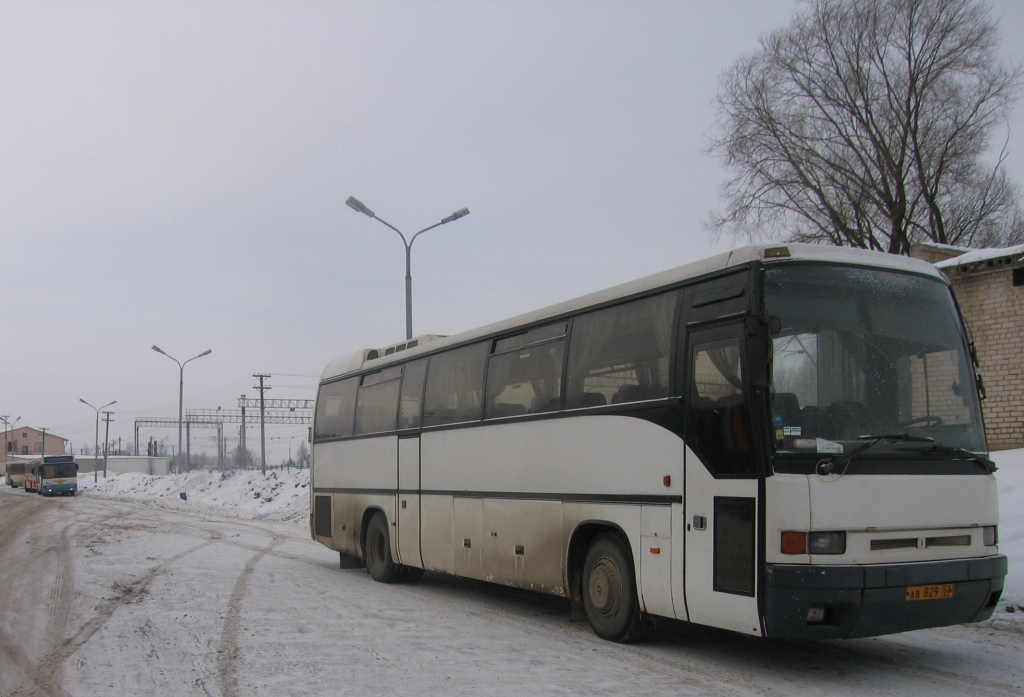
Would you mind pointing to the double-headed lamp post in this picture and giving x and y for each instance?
(357, 205)
(96, 444)
(8, 425)
(181, 388)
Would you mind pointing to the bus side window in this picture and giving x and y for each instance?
(411, 401)
(455, 385)
(335, 409)
(621, 354)
(718, 424)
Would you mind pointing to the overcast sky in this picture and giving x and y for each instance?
(175, 173)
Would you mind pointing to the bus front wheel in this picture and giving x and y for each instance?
(609, 591)
(379, 563)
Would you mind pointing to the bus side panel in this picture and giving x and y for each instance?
(523, 544)
(585, 455)
(467, 520)
(787, 506)
(656, 556)
(365, 463)
(436, 533)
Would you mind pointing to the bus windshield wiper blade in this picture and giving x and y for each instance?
(940, 449)
(829, 464)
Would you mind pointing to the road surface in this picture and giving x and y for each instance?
(100, 596)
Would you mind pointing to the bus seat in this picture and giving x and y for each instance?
(589, 399)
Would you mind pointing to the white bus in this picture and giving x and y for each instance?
(780, 441)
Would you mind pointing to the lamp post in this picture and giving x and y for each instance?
(357, 205)
(8, 425)
(96, 444)
(181, 387)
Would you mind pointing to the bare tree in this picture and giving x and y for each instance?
(866, 123)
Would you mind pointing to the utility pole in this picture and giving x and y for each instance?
(44, 430)
(263, 432)
(106, 441)
(241, 437)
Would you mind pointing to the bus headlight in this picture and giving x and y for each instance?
(990, 535)
(827, 542)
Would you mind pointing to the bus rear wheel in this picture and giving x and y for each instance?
(379, 563)
(609, 591)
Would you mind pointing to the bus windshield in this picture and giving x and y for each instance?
(59, 470)
(868, 352)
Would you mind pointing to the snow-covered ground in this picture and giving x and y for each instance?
(283, 495)
(129, 589)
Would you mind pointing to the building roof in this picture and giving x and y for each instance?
(983, 259)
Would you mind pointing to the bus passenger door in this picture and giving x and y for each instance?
(721, 491)
(409, 501)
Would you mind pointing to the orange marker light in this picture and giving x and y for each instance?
(668, 480)
(794, 542)
(655, 550)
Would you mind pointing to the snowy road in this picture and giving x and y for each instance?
(100, 596)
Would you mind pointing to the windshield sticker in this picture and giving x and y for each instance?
(778, 420)
(792, 430)
(827, 446)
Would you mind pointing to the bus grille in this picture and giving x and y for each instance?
(897, 543)
(950, 541)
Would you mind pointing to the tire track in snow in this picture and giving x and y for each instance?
(227, 659)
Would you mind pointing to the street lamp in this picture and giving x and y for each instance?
(357, 205)
(181, 386)
(96, 444)
(8, 425)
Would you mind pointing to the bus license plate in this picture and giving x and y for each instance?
(934, 592)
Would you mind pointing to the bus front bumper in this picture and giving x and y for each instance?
(841, 602)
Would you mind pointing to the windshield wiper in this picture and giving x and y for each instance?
(829, 464)
(940, 449)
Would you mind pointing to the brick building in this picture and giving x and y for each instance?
(989, 285)
(29, 441)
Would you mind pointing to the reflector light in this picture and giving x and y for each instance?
(668, 480)
(655, 550)
(794, 542)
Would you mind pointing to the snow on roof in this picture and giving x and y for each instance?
(980, 255)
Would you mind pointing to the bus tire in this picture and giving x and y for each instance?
(379, 563)
(609, 591)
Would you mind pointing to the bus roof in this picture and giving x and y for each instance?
(769, 254)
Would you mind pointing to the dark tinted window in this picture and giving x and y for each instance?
(335, 409)
(718, 424)
(412, 394)
(526, 380)
(621, 354)
(455, 385)
(377, 403)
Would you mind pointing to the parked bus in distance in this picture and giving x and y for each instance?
(14, 475)
(780, 441)
(51, 475)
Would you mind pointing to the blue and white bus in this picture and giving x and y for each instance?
(781, 441)
(52, 475)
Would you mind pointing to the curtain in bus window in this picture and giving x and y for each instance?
(335, 409)
(412, 394)
(621, 354)
(526, 381)
(377, 407)
(718, 424)
(455, 385)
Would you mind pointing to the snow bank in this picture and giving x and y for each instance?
(281, 495)
(284, 496)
